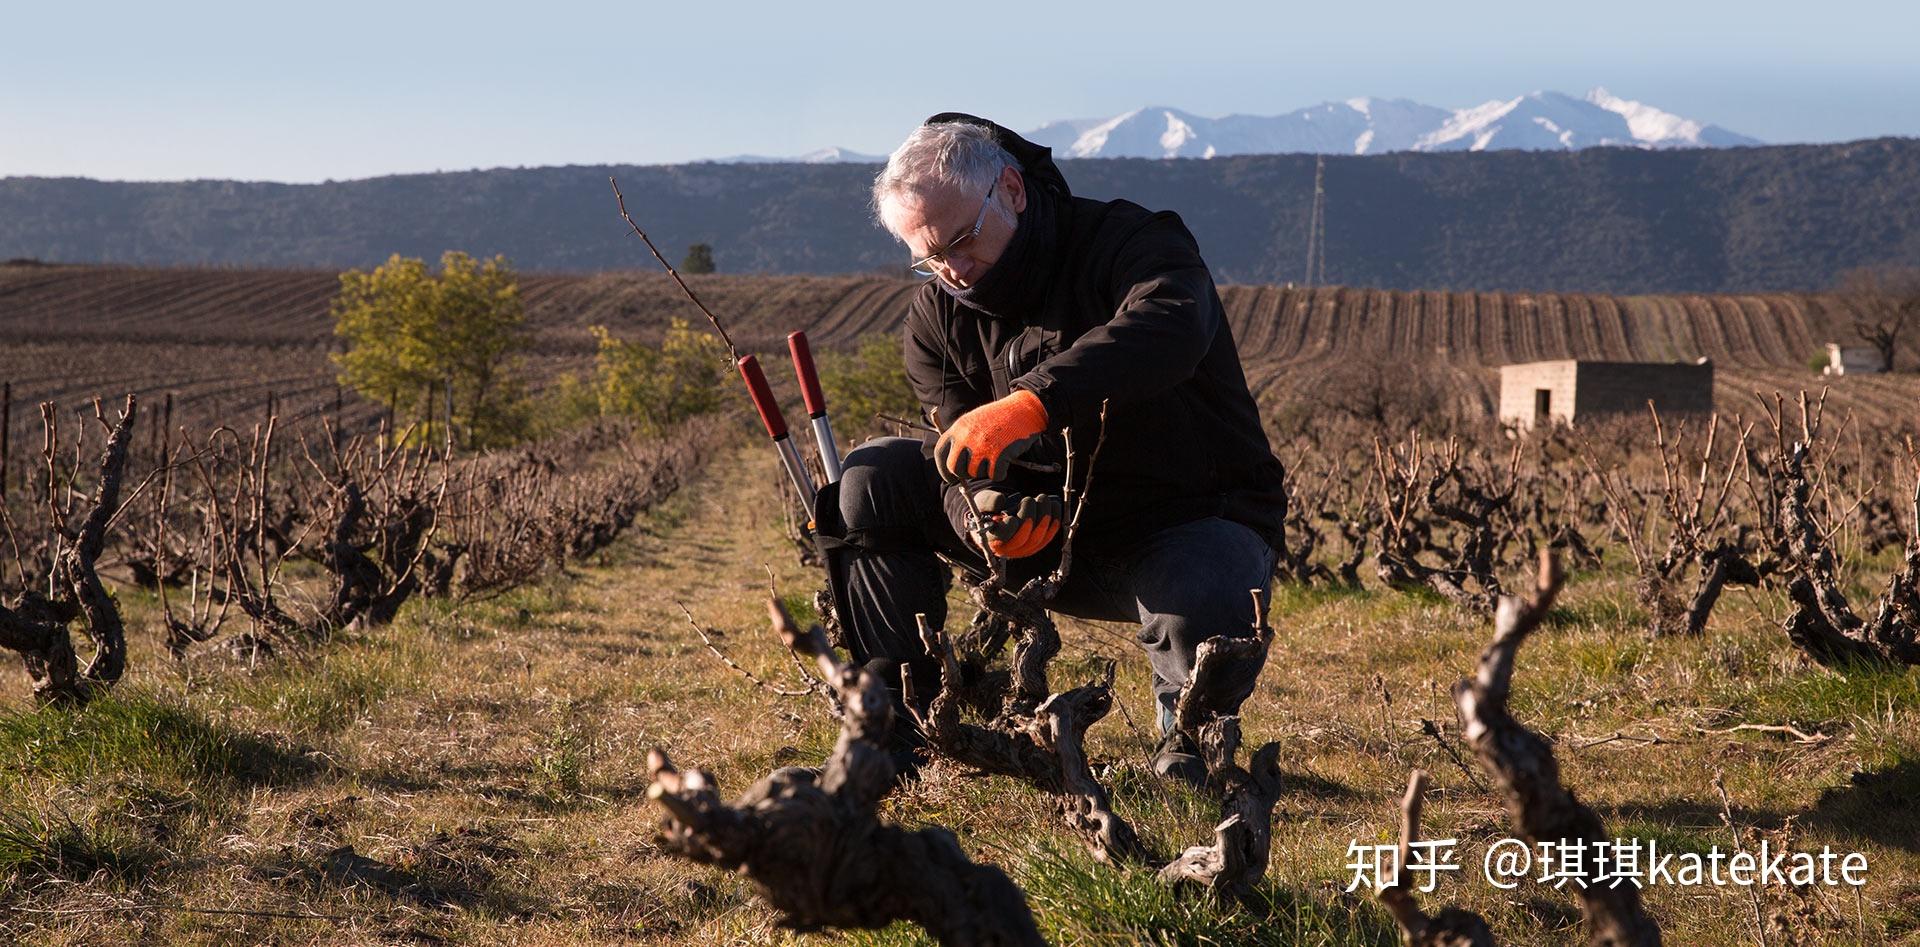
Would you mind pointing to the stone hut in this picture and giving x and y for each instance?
(1853, 360)
(1570, 390)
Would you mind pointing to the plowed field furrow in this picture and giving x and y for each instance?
(278, 310)
(1473, 327)
(1409, 336)
(1550, 327)
(1611, 328)
(1308, 323)
(1284, 333)
(1664, 336)
(1581, 328)
(891, 314)
(1255, 315)
(870, 307)
(837, 312)
(1709, 336)
(1385, 322)
(1237, 303)
(1791, 334)
(126, 293)
(1736, 336)
(1416, 336)
(1522, 311)
(70, 333)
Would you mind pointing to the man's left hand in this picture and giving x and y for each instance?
(1018, 526)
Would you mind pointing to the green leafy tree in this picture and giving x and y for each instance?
(659, 387)
(448, 341)
(870, 380)
(699, 259)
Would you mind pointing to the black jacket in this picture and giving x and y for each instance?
(1130, 316)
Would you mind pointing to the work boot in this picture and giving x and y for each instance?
(1177, 758)
(906, 763)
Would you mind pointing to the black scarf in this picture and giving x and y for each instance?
(1016, 285)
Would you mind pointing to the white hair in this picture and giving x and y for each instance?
(960, 156)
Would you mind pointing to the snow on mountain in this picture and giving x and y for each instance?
(1536, 121)
(822, 156)
(1665, 129)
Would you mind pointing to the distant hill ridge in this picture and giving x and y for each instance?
(1778, 218)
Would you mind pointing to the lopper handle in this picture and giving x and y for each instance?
(763, 397)
(809, 379)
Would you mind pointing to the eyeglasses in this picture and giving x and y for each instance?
(924, 265)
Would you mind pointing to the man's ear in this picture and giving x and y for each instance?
(1015, 186)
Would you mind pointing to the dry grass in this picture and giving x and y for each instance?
(490, 762)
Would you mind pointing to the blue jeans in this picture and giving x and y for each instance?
(1183, 584)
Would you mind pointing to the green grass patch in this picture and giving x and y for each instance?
(1597, 611)
(1670, 838)
(1605, 659)
(335, 686)
(1856, 693)
(1292, 597)
(565, 755)
(45, 843)
(129, 734)
(800, 606)
(1077, 901)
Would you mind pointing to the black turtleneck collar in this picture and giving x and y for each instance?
(1015, 287)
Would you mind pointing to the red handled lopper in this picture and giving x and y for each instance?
(816, 403)
(777, 428)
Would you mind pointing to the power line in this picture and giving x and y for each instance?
(1317, 226)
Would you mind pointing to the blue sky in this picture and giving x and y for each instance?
(348, 89)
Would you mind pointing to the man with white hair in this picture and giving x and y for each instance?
(1041, 307)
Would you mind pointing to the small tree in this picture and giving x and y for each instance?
(699, 259)
(659, 386)
(442, 345)
(1883, 301)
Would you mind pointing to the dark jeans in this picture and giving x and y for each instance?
(1183, 585)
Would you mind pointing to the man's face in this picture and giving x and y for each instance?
(927, 222)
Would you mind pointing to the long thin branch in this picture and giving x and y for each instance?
(620, 199)
(729, 662)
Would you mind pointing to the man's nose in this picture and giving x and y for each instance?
(962, 268)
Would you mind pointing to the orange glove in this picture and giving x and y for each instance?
(983, 441)
(1019, 526)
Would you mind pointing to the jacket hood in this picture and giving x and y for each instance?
(1036, 161)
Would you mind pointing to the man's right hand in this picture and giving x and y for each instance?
(983, 442)
(1017, 525)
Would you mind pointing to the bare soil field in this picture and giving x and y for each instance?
(224, 340)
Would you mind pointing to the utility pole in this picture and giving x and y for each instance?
(6, 427)
(1317, 226)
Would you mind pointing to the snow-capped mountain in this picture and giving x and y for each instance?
(834, 155)
(1538, 121)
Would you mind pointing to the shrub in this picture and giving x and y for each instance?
(660, 386)
(870, 380)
